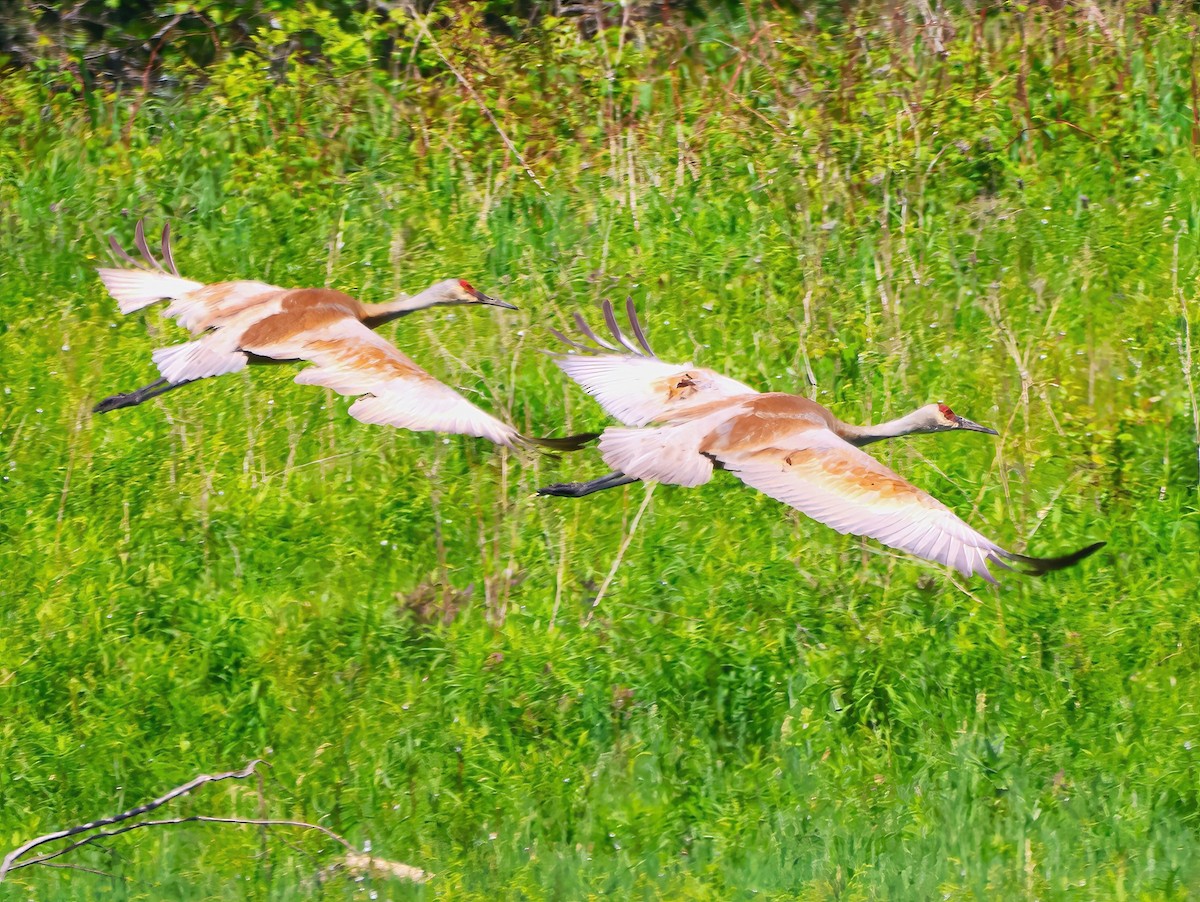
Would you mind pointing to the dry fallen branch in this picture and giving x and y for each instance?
(356, 862)
(361, 864)
(195, 783)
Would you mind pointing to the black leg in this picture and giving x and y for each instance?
(1043, 565)
(133, 398)
(579, 489)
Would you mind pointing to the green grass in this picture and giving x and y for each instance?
(761, 707)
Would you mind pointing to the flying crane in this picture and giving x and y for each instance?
(249, 322)
(784, 445)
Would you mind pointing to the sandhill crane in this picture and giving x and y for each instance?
(784, 445)
(244, 322)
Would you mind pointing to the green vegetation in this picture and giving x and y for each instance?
(997, 211)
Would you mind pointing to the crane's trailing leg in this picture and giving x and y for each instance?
(560, 443)
(579, 489)
(1039, 566)
(137, 396)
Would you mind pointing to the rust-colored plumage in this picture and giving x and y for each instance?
(243, 322)
(784, 445)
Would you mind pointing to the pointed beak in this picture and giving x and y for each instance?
(482, 298)
(963, 423)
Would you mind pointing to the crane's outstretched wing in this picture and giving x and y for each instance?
(835, 483)
(195, 305)
(352, 360)
(632, 384)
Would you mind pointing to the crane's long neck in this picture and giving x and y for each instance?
(864, 435)
(375, 315)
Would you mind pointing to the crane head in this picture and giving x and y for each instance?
(460, 291)
(943, 418)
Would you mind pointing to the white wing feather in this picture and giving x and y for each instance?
(350, 359)
(836, 484)
(640, 390)
(217, 352)
(637, 388)
(197, 359)
(134, 289)
(212, 305)
(656, 455)
(430, 407)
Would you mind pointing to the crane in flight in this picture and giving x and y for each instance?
(784, 445)
(244, 322)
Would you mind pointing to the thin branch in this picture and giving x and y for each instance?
(175, 793)
(1041, 128)
(512, 148)
(192, 819)
(312, 463)
(161, 37)
(1184, 343)
(621, 552)
(79, 867)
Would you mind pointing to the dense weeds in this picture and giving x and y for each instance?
(882, 207)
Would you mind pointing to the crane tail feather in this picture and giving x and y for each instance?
(1041, 565)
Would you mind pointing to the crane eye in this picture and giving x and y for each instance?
(946, 411)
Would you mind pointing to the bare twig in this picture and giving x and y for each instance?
(1184, 343)
(160, 36)
(78, 867)
(1042, 128)
(287, 470)
(512, 148)
(621, 552)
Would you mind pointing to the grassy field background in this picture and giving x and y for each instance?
(1000, 213)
